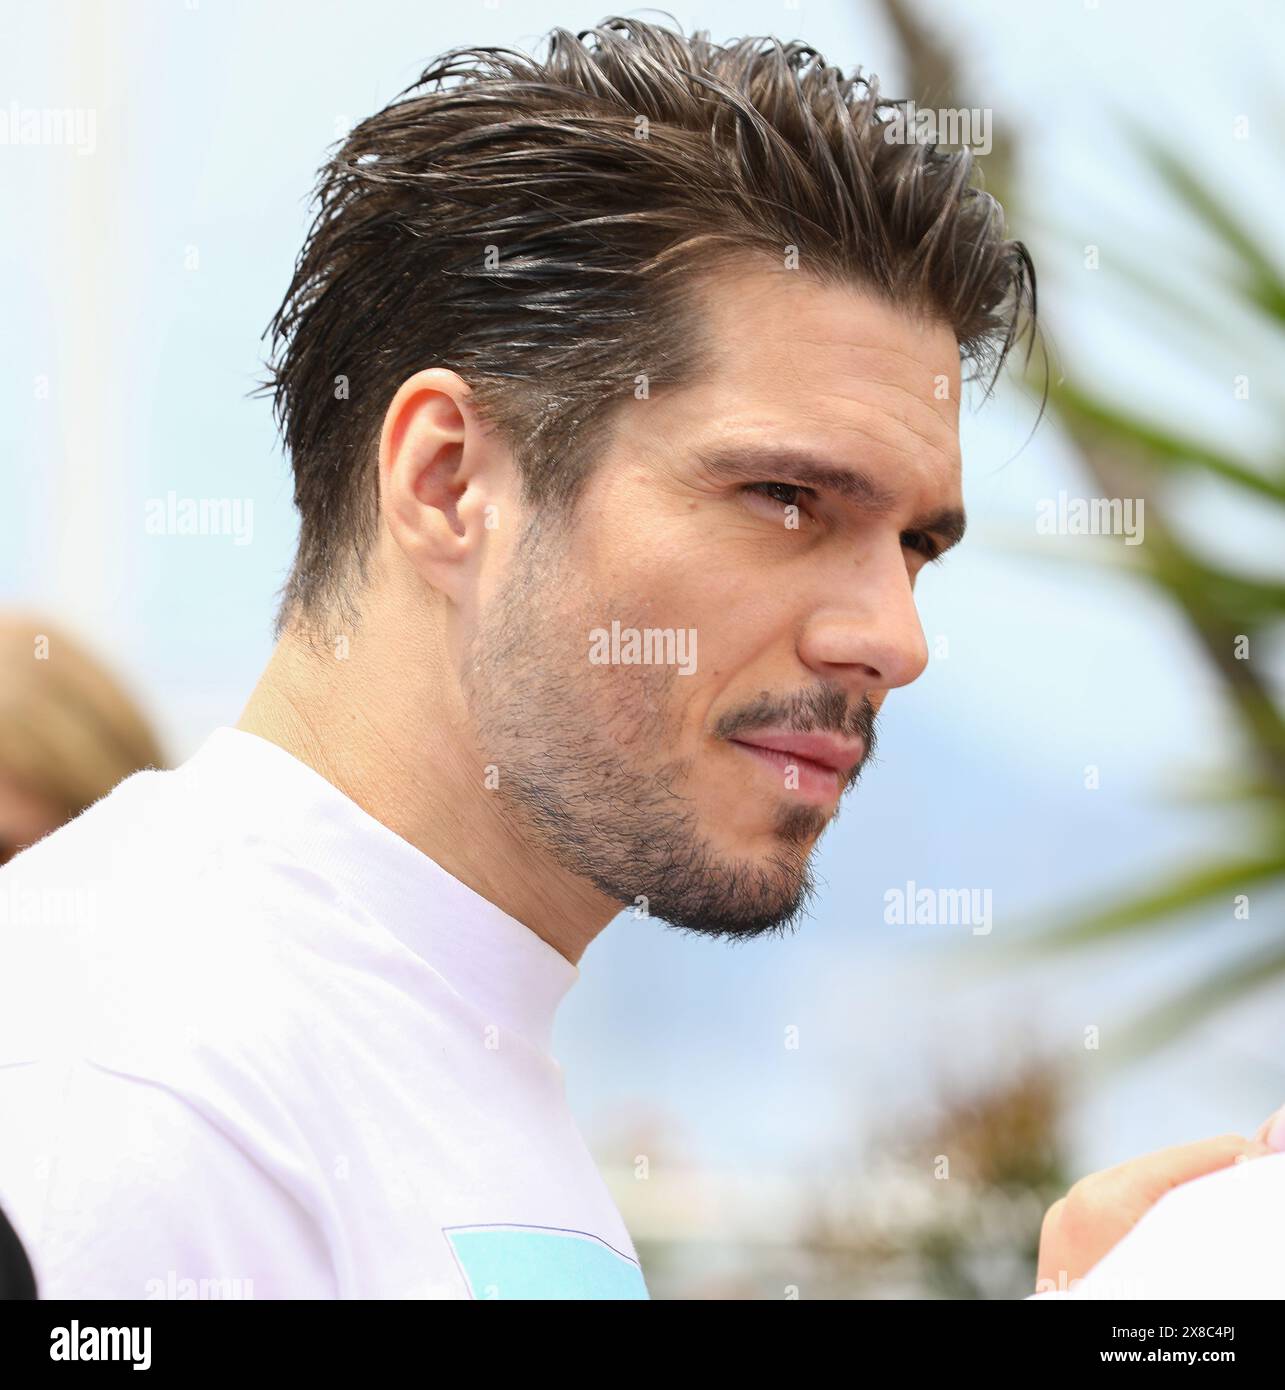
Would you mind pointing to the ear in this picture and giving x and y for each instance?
(438, 473)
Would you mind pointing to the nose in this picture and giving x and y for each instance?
(867, 633)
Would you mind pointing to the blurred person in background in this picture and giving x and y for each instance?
(69, 731)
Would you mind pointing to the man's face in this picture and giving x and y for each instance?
(738, 572)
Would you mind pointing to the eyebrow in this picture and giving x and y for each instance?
(758, 463)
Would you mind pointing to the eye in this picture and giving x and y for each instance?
(787, 494)
(922, 544)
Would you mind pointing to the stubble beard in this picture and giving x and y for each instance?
(576, 745)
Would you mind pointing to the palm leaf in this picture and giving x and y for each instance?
(1177, 1015)
(1258, 277)
(1079, 408)
(1154, 909)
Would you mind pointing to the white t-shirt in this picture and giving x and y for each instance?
(1218, 1236)
(254, 1044)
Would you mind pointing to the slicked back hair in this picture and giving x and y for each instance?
(539, 225)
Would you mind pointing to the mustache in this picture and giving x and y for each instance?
(825, 709)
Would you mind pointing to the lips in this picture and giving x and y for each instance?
(829, 751)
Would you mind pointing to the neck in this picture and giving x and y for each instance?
(392, 735)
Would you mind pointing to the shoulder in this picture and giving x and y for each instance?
(120, 1187)
(150, 926)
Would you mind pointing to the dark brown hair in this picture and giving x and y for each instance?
(538, 226)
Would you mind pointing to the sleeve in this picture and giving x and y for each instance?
(118, 1188)
(1218, 1236)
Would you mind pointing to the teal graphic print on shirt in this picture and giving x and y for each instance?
(505, 1261)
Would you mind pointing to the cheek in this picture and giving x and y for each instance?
(637, 671)
(632, 671)
(24, 818)
(702, 623)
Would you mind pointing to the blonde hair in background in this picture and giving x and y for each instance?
(69, 731)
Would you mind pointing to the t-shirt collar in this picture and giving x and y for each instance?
(512, 975)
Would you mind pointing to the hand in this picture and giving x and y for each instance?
(1102, 1208)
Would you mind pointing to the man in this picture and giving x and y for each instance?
(621, 391)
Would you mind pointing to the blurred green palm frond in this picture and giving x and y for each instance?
(1232, 615)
